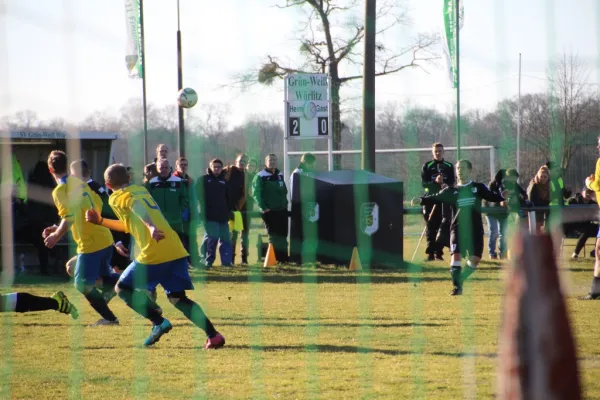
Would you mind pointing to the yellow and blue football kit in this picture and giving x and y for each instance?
(73, 198)
(163, 262)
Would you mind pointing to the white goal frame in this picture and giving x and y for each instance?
(491, 150)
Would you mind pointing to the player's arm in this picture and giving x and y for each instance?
(93, 217)
(426, 181)
(488, 195)
(139, 210)
(52, 236)
(593, 181)
(446, 195)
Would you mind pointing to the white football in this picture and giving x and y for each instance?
(187, 98)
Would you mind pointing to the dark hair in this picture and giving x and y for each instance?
(500, 175)
(551, 165)
(116, 176)
(308, 158)
(180, 159)
(239, 156)
(81, 168)
(216, 161)
(57, 162)
(467, 163)
(512, 172)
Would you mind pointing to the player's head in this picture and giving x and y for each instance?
(271, 161)
(216, 166)
(80, 169)
(437, 149)
(241, 160)
(181, 165)
(588, 194)
(116, 176)
(252, 166)
(150, 172)
(164, 168)
(307, 162)
(57, 163)
(162, 151)
(463, 170)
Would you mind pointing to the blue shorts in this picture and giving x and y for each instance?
(91, 266)
(173, 276)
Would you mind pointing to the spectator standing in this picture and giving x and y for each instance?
(539, 195)
(212, 194)
(300, 207)
(270, 193)
(496, 222)
(238, 185)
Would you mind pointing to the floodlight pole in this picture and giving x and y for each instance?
(144, 100)
(179, 87)
(368, 122)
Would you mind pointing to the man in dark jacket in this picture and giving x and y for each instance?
(213, 198)
(170, 194)
(239, 191)
(270, 192)
(436, 175)
(181, 168)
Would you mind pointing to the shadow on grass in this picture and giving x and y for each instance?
(331, 325)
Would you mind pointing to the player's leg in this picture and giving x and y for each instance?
(70, 266)
(133, 286)
(88, 269)
(176, 280)
(455, 263)
(475, 250)
(595, 289)
(225, 250)
(25, 302)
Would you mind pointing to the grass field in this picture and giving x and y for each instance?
(291, 333)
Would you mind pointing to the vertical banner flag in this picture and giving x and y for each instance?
(133, 57)
(449, 37)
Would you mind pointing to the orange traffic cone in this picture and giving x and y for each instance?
(355, 261)
(270, 259)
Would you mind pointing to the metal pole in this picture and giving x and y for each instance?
(179, 87)
(368, 131)
(458, 80)
(144, 105)
(519, 120)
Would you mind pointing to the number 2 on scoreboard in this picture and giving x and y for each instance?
(294, 127)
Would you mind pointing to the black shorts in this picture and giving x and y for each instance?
(472, 244)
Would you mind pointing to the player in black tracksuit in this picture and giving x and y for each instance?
(435, 175)
(466, 230)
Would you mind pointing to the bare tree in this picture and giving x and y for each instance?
(330, 43)
(570, 100)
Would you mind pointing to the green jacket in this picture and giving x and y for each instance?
(171, 195)
(269, 190)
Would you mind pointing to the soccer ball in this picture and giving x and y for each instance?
(187, 98)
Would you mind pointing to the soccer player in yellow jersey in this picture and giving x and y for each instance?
(161, 259)
(592, 182)
(72, 198)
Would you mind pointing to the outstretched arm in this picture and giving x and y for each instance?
(93, 217)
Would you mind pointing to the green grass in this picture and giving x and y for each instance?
(291, 333)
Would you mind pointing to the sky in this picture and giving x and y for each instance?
(66, 58)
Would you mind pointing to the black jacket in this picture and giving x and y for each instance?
(467, 198)
(213, 196)
(237, 183)
(431, 170)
